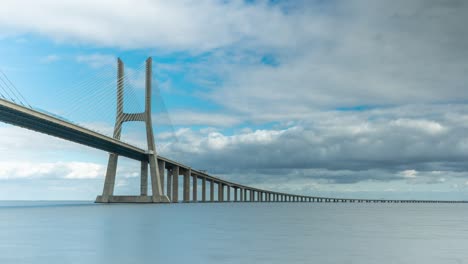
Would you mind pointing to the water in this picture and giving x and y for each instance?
(83, 232)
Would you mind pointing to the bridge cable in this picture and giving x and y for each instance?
(16, 89)
(165, 113)
(6, 91)
(88, 89)
(102, 95)
(63, 94)
(2, 94)
(132, 102)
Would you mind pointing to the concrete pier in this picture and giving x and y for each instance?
(144, 179)
(169, 184)
(175, 184)
(203, 189)
(162, 169)
(220, 192)
(194, 188)
(212, 191)
(186, 186)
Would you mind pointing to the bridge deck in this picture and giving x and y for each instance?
(43, 123)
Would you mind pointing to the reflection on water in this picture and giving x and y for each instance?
(83, 232)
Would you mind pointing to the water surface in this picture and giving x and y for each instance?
(83, 232)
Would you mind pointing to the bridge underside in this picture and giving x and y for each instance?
(125, 199)
(33, 120)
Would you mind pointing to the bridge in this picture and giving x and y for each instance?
(164, 172)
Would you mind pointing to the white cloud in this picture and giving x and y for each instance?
(50, 58)
(200, 25)
(430, 127)
(67, 170)
(189, 118)
(97, 60)
(324, 60)
(409, 173)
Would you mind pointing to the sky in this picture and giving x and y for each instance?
(358, 98)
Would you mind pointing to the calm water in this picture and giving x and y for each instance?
(82, 232)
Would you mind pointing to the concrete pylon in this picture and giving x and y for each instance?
(122, 117)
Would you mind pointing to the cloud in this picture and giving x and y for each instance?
(201, 25)
(50, 58)
(97, 60)
(66, 170)
(189, 118)
(326, 55)
(381, 144)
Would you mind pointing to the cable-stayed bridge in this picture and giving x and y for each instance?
(164, 173)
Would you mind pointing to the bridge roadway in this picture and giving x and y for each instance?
(169, 170)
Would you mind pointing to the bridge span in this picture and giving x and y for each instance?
(165, 173)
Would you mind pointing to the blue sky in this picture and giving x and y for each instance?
(347, 98)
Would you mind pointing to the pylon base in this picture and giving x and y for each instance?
(131, 199)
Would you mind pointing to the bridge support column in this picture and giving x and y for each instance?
(203, 189)
(220, 192)
(175, 184)
(169, 184)
(161, 167)
(144, 179)
(151, 157)
(228, 190)
(109, 182)
(251, 195)
(187, 186)
(211, 191)
(194, 188)
(235, 194)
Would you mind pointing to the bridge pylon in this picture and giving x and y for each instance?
(122, 117)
